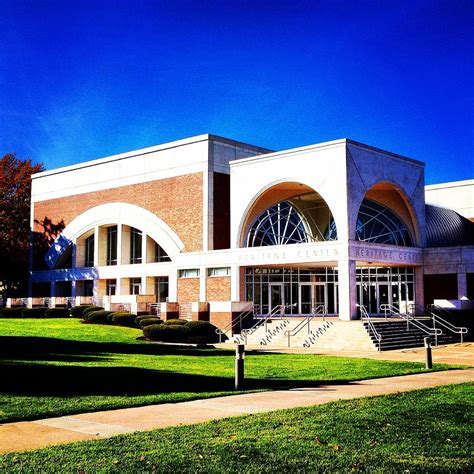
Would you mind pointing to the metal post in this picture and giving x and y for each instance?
(239, 366)
(429, 358)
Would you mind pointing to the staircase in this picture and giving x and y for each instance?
(394, 334)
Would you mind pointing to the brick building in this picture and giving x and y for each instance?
(206, 226)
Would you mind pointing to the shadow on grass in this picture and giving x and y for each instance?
(19, 377)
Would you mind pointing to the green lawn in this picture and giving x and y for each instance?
(422, 431)
(53, 367)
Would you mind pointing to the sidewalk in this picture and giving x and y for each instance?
(23, 436)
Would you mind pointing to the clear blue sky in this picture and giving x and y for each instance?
(85, 79)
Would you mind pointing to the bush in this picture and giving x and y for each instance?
(166, 332)
(90, 309)
(149, 321)
(78, 311)
(202, 330)
(123, 319)
(57, 313)
(11, 312)
(176, 322)
(34, 312)
(144, 316)
(97, 317)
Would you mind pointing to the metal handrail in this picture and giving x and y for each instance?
(461, 330)
(319, 310)
(365, 315)
(413, 321)
(279, 308)
(237, 321)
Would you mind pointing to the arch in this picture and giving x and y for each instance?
(297, 205)
(386, 194)
(116, 213)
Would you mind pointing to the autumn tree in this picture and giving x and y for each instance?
(15, 202)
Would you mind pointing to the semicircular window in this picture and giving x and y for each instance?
(281, 224)
(378, 224)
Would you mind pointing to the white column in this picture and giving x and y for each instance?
(202, 283)
(347, 289)
(73, 288)
(96, 246)
(462, 284)
(173, 286)
(419, 288)
(235, 283)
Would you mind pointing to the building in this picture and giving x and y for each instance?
(206, 225)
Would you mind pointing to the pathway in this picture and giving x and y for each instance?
(22, 436)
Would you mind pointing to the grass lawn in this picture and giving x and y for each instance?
(422, 431)
(53, 367)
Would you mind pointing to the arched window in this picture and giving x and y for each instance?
(378, 224)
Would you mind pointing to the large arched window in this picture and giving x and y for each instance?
(378, 224)
(299, 220)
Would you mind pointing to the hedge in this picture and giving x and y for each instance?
(57, 313)
(176, 322)
(166, 332)
(38, 312)
(123, 319)
(144, 316)
(201, 328)
(78, 311)
(90, 309)
(149, 321)
(11, 312)
(97, 317)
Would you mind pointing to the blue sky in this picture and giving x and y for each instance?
(85, 79)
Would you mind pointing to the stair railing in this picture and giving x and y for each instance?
(366, 316)
(235, 322)
(413, 321)
(461, 330)
(318, 310)
(276, 312)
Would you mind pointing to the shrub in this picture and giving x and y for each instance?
(202, 332)
(123, 319)
(144, 316)
(57, 313)
(90, 309)
(166, 332)
(176, 322)
(149, 321)
(97, 317)
(34, 312)
(78, 311)
(11, 312)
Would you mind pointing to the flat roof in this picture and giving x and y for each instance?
(152, 149)
(451, 184)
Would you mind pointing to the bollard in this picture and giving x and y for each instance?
(429, 358)
(239, 366)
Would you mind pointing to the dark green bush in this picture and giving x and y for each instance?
(149, 321)
(123, 319)
(57, 313)
(90, 309)
(202, 330)
(97, 317)
(166, 332)
(11, 312)
(176, 322)
(144, 316)
(34, 312)
(78, 311)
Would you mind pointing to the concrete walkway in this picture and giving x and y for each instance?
(23, 436)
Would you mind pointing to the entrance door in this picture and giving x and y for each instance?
(276, 295)
(384, 296)
(312, 295)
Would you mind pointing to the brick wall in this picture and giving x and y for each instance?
(218, 288)
(178, 201)
(188, 290)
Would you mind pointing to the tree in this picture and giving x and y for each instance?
(15, 202)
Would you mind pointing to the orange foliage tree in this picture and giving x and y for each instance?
(15, 200)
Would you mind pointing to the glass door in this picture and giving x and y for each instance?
(306, 298)
(276, 295)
